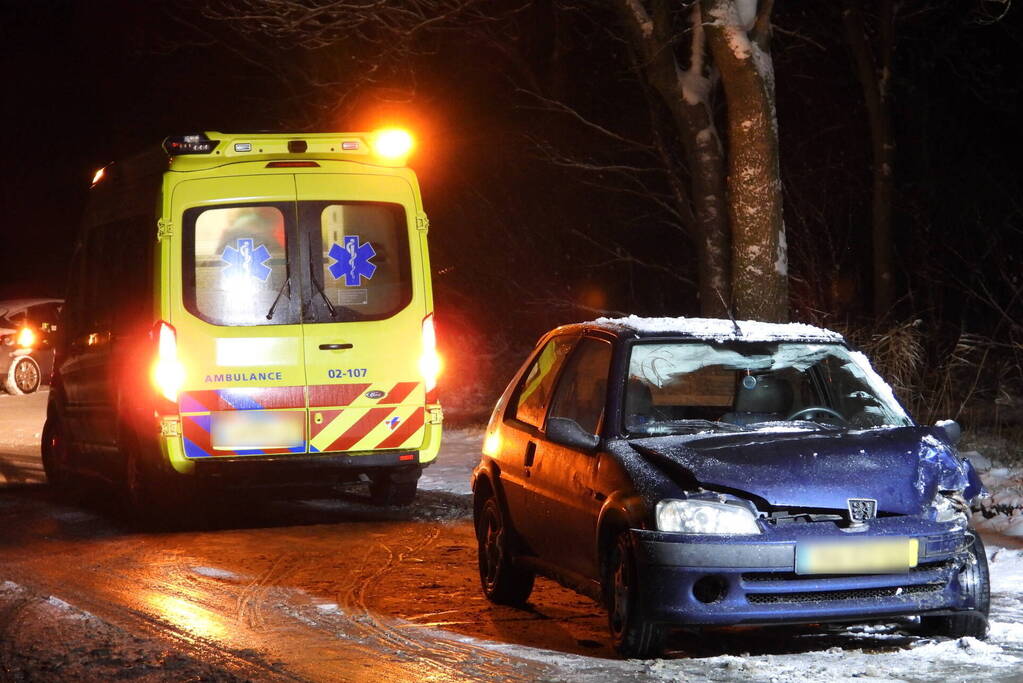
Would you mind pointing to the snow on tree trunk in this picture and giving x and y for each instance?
(686, 92)
(759, 259)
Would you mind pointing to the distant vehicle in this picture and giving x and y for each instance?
(28, 329)
(690, 472)
(249, 310)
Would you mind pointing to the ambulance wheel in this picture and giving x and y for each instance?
(146, 495)
(976, 584)
(56, 455)
(23, 377)
(384, 490)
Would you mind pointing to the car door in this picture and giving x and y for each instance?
(520, 435)
(564, 478)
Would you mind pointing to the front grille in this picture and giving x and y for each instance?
(833, 596)
(755, 577)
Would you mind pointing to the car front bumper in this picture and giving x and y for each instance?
(730, 580)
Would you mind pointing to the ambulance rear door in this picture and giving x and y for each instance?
(237, 306)
(364, 316)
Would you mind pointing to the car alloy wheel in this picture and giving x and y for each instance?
(502, 581)
(632, 634)
(23, 377)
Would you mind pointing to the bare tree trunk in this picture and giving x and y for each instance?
(686, 92)
(875, 81)
(759, 258)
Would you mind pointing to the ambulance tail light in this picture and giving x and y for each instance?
(430, 362)
(168, 374)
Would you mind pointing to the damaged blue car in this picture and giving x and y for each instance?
(701, 473)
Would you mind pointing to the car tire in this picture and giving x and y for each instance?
(56, 455)
(23, 377)
(976, 582)
(384, 490)
(633, 635)
(503, 583)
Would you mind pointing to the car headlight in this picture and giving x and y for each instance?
(949, 507)
(705, 517)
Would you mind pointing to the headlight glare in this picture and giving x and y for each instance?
(705, 517)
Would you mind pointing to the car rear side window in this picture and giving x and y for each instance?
(582, 389)
(365, 269)
(236, 265)
(534, 391)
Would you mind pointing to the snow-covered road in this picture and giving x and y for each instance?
(338, 590)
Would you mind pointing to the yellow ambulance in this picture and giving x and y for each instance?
(250, 310)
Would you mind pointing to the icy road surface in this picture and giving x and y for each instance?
(339, 590)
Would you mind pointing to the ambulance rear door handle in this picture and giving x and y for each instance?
(335, 347)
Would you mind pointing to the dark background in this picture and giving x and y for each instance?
(520, 243)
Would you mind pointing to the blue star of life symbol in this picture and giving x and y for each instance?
(353, 261)
(247, 260)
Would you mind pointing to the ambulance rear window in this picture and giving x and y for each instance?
(239, 265)
(366, 271)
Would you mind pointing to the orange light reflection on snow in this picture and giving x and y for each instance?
(187, 615)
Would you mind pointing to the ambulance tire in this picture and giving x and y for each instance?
(147, 495)
(384, 490)
(56, 456)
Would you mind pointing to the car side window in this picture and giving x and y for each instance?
(534, 390)
(582, 389)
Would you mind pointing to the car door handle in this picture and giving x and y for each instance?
(335, 347)
(530, 454)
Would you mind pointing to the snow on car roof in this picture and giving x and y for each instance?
(720, 329)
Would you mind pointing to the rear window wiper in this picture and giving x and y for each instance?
(316, 283)
(273, 306)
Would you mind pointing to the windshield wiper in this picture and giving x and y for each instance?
(273, 306)
(812, 423)
(712, 424)
(316, 283)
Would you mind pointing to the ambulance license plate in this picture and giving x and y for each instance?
(876, 556)
(257, 429)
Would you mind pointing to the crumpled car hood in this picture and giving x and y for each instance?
(902, 468)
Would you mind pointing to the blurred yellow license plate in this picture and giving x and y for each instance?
(878, 556)
(257, 429)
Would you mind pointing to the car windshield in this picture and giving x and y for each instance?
(696, 386)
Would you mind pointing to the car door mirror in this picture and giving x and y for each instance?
(567, 432)
(952, 430)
